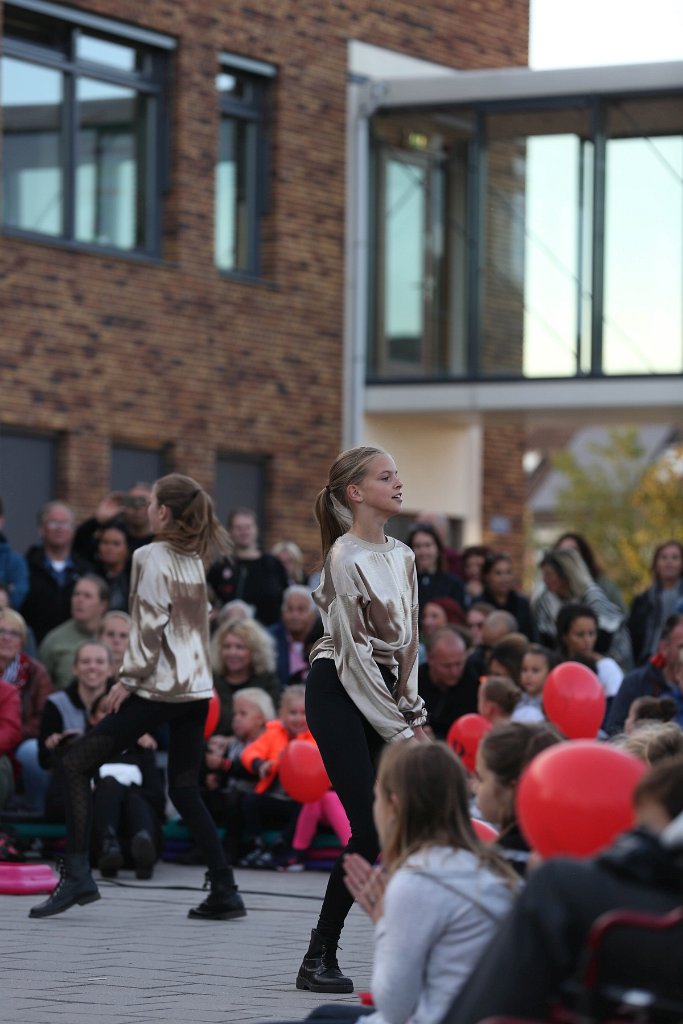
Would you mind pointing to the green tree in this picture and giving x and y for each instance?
(621, 505)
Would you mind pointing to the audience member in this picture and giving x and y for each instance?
(128, 509)
(432, 578)
(506, 656)
(577, 542)
(292, 557)
(651, 741)
(224, 778)
(497, 699)
(33, 685)
(440, 523)
(257, 578)
(577, 632)
(656, 678)
(13, 567)
(502, 756)
(473, 559)
(439, 895)
(112, 563)
(497, 625)
(65, 715)
(328, 810)
(537, 663)
(114, 633)
(566, 579)
(88, 606)
(10, 737)
(650, 709)
(53, 570)
(269, 805)
(437, 613)
(235, 611)
(299, 614)
(441, 682)
(499, 591)
(242, 655)
(128, 807)
(651, 609)
(544, 936)
(475, 617)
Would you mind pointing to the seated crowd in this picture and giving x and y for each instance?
(486, 649)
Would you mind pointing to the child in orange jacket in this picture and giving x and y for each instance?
(269, 805)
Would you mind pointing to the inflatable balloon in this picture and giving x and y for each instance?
(464, 736)
(212, 715)
(484, 831)
(302, 772)
(574, 700)
(575, 798)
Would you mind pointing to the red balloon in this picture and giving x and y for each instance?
(464, 736)
(212, 715)
(575, 798)
(302, 772)
(484, 831)
(574, 700)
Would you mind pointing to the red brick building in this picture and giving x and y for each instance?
(152, 340)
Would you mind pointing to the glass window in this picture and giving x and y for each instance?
(240, 481)
(81, 159)
(643, 301)
(33, 192)
(537, 200)
(241, 175)
(418, 302)
(134, 465)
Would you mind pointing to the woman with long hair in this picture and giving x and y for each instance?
(361, 691)
(242, 655)
(165, 677)
(430, 564)
(653, 606)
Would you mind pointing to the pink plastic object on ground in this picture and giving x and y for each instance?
(21, 879)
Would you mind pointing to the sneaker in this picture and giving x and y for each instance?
(292, 863)
(265, 861)
(250, 860)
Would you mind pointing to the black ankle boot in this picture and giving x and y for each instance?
(76, 885)
(319, 971)
(144, 854)
(111, 855)
(223, 902)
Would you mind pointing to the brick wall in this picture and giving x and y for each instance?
(102, 349)
(504, 495)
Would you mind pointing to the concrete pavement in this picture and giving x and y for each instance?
(134, 957)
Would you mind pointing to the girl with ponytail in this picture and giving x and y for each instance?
(165, 677)
(361, 692)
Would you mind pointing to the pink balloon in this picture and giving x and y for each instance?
(574, 700)
(484, 831)
(576, 797)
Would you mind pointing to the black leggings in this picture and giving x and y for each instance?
(350, 748)
(119, 731)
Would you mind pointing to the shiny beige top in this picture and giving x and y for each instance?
(368, 602)
(168, 650)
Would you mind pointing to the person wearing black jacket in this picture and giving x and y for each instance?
(53, 569)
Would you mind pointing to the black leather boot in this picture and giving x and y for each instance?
(76, 885)
(144, 854)
(319, 971)
(223, 902)
(111, 855)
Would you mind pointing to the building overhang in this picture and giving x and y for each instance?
(641, 398)
(521, 84)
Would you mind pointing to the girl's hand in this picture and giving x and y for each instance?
(147, 742)
(420, 735)
(265, 769)
(212, 761)
(366, 884)
(116, 697)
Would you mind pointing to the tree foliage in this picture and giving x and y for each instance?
(623, 506)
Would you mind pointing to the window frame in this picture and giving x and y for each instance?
(255, 112)
(153, 84)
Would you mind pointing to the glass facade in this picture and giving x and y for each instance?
(535, 240)
(81, 134)
(240, 179)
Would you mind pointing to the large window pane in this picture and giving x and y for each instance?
(32, 121)
(404, 219)
(536, 263)
(103, 51)
(107, 171)
(643, 305)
